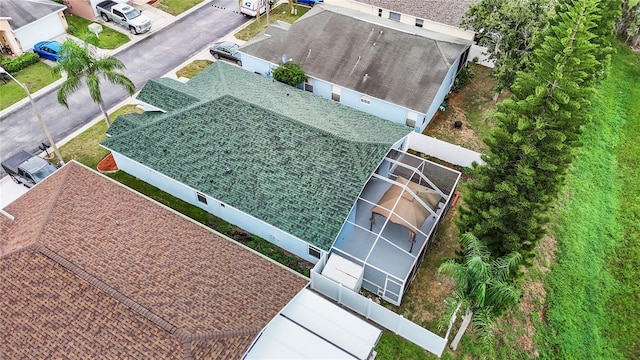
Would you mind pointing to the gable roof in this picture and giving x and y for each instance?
(448, 12)
(391, 61)
(282, 155)
(94, 268)
(24, 12)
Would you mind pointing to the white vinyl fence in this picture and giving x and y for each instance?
(443, 150)
(377, 313)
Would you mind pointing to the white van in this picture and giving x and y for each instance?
(250, 7)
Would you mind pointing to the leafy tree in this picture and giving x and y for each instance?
(508, 28)
(290, 73)
(532, 144)
(80, 63)
(483, 289)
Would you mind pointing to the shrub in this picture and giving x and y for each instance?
(464, 76)
(290, 74)
(16, 64)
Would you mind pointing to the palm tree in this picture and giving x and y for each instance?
(80, 62)
(483, 290)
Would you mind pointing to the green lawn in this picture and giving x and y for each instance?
(593, 301)
(35, 77)
(107, 39)
(394, 347)
(85, 148)
(176, 7)
(193, 68)
(280, 12)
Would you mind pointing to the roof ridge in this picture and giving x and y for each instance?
(220, 334)
(28, 247)
(52, 201)
(302, 123)
(104, 287)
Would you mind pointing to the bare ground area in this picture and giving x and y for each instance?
(473, 106)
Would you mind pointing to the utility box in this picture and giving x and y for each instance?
(95, 28)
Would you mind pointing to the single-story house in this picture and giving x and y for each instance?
(92, 269)
(23, 23)
(449, 12)
(392, 70)
(288, 166)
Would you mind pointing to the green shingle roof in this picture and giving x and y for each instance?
(297, 162)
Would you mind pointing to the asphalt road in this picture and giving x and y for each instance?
(152, 57)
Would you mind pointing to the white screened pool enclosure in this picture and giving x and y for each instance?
(393, 221)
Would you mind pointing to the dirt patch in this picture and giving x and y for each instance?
(474, 107)
(108, 164)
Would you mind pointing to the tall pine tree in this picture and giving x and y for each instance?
(532, 145)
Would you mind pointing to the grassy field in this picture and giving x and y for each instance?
(582, 298)
(107, 39)
(35, 77)
(593, 302)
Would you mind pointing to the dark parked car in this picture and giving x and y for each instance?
(48, 50)
(227, 50)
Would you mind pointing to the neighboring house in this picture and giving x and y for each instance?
(395, 71)
(23, 23)
(413, 12)
(85, 8)
(295, 169)
(443, 16)
(91, 269)
(276, 161)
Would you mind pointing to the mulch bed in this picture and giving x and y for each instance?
(108, 164)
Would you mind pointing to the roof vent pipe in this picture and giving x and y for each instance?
(7, 215)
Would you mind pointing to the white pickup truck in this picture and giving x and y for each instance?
(124, 15)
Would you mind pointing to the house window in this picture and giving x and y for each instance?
(394, 16)
(335, 93)
(419, 22)
(379, 12)
(314, 251)
(201, 198)
(412, 118)
(308, 85)
(365, 100)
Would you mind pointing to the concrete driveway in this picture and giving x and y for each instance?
(10, 191)
(152, 55)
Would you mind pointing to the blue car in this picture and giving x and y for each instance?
(309, 2)
(48, 50)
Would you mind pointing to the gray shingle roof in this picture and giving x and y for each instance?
(387, 60)
(24, 12)
(448, 12)
(285, 156)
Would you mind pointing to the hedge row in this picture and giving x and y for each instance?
(16, 64)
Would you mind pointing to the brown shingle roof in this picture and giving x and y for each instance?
(168, 272)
